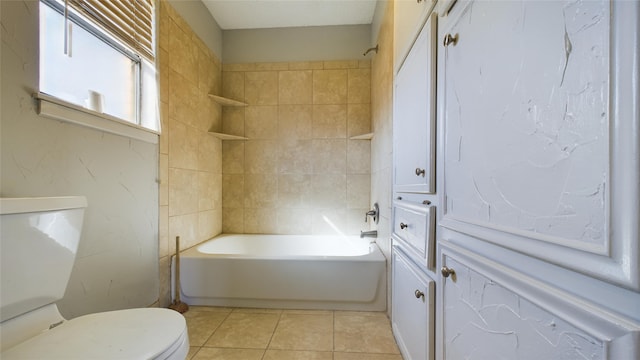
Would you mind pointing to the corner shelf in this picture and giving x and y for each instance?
(223, 101)
(227, 102)
(368, 136)
(222, 136)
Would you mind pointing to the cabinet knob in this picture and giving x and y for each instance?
(450, 39)
(419, 294)
(420, 172)
(403, 226)
(447, 271)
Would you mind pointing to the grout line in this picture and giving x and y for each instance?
(216, 329)
(333, 337)
(272, 334)
(197, 351)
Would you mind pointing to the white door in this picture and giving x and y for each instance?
(539, 134)
(494, 312)
(414, 116)
(412, 309)
(538, 230)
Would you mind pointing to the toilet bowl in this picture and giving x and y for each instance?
(38, 242)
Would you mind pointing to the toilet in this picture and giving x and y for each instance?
(38, 243)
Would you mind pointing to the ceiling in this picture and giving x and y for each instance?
(258, 14)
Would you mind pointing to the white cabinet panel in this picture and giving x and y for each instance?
(493, 312)
(409, 16)
(539, 137)
(414, 224)
(412, 310)
(414, 116)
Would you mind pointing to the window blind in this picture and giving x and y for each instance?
(131, 21)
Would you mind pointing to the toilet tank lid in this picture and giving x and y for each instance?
(40, 204)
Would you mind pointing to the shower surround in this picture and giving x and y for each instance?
(299, 172)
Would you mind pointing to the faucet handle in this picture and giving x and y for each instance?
(373, 213)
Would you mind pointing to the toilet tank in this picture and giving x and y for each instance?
(38, 245)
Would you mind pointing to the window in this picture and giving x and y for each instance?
(83, 64)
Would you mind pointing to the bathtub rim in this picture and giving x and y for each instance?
(375, 252)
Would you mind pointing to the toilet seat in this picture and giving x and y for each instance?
(147, 333)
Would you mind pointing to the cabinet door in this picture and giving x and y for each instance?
(537, 132)
(414, 116)
(493, 312)
(412, 309)
(409, 16)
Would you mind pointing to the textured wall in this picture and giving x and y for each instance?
(299, 173)
(488, 321)
(190, 158)
(116, 265)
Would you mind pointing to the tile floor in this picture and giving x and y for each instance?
(268, 334)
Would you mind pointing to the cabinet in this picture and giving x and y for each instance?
(412, 308)
(494, 312)
(536, 148)
(414, 118)
(414, 225)
(537, 179)
(414, 115)
(409, 17)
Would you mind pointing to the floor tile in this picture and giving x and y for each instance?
(275, 334)
(192, 352)
(257, 311)
(217, 309)
(297, 355)
(244, 330)
(201, 323)
(304, 331)
(364, 333)
(308, 312)
(365, 356)
(207, 353)
(360, 313)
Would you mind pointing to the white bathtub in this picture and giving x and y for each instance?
(285, 271)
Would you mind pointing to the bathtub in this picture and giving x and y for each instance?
(284, 271)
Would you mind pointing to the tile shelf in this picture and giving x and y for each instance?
(222, 136)
(368, 136)
(223, 101)
(226, 101)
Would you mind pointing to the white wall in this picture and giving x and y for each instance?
(117, 263)
(314, 43)
(378, 18)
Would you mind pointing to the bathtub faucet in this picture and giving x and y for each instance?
(374, 213)
(372, 233)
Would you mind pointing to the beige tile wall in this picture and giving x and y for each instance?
(190, 158)
(299, 173)
(382, 122)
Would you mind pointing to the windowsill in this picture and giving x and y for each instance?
(57, 109)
